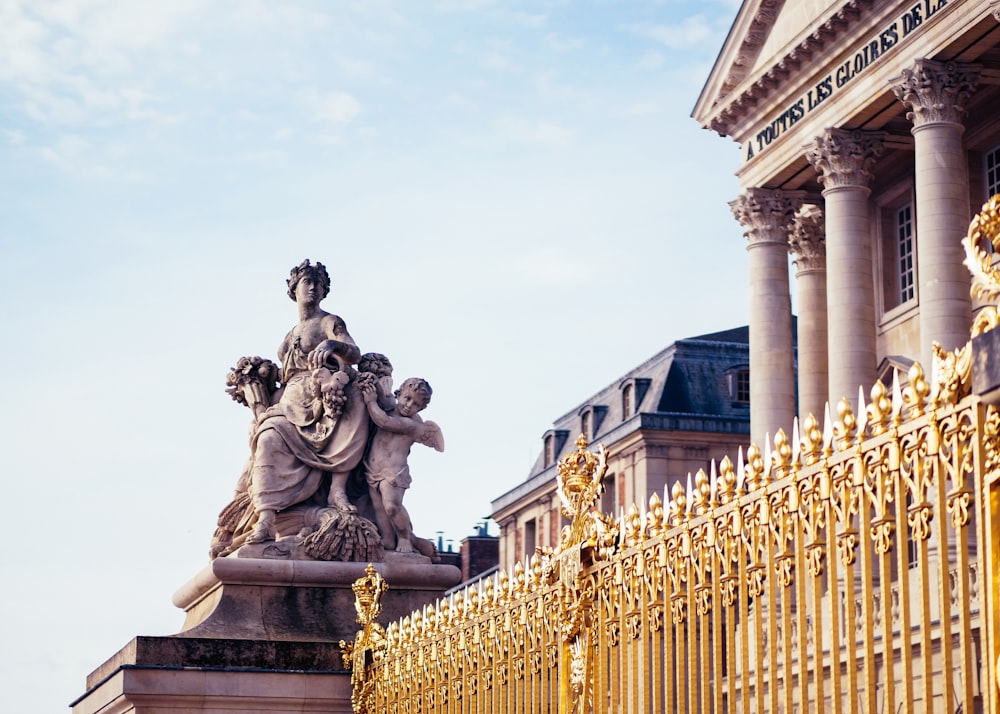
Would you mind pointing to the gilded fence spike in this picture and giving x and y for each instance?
(879, 409)
(796, 442)
(741, 472)
(678, 505)
(827, 431)
(765, 474)
(811, 440)
(518, 584)
(472, 601)
(702, 493)
(444, 612)
(654, 516)
(534, 572)
(897, 398)
(713, 483)
(862, 414)
(781, 456)
(416, 625)
(633, 526)
(503, 580)
(915, 393)
(754, 469)
(727, 486)
(846, 425)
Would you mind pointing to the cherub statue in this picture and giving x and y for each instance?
(386, 467)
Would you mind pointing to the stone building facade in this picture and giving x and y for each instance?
(869, 138)
(668, 417)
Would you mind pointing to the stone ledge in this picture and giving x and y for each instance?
(300, 600)
(132, 688)
(204, 652)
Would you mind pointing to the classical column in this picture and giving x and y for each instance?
(936, 94)
(807, 245)
(766, 215)
(843, 159)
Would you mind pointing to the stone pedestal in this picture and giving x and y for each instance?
(261, 635)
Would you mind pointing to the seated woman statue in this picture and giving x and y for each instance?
(309, 432)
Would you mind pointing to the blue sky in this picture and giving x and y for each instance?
(511, 198)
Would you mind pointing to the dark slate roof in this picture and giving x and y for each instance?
(686, 387)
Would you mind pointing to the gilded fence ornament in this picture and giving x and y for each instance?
(678, 506)
(727, 481)
(781, 455)
(754, 468)
(879, 409)
(984, 230)
(702, 494)
(811, 440)
(916, 391)
(655, 517)
(588, 537)
(952, 374)
(370, 642)
(846, 427)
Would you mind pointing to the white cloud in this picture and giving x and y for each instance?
(564, 43)
(15, 137)
(538, 133)
(529, 20)
(333, 107)
(691, 32)
(354, 68)
(651, 59)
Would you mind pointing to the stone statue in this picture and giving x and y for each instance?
(386, 467)
(310, 434)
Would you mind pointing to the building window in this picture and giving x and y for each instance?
(530, 539)
(586, 425)
(628, 401)
(904, 252)
(898, 247)
(992, 172)
(608, 497)
(739, 385)
(550, 450)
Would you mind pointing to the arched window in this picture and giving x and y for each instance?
(587, 425)
(628, 401)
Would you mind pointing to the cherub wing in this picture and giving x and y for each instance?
(431, 436)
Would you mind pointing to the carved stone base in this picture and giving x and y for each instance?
(187, 674)
(302, 600)
(262, 634)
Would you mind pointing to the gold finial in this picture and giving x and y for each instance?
(580, 483)
(368, 595)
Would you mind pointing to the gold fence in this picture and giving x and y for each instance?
(849, 568)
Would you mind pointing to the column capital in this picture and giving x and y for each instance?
(936, 91)
(807, 238)
(766, 213)
(843, 157)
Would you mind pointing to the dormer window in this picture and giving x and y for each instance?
(587, 425)
(738, 379)
(553, 440)
(628, 401)
(633, 390)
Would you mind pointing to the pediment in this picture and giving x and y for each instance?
(769, 40)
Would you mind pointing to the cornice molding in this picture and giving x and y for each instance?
(826, 33)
